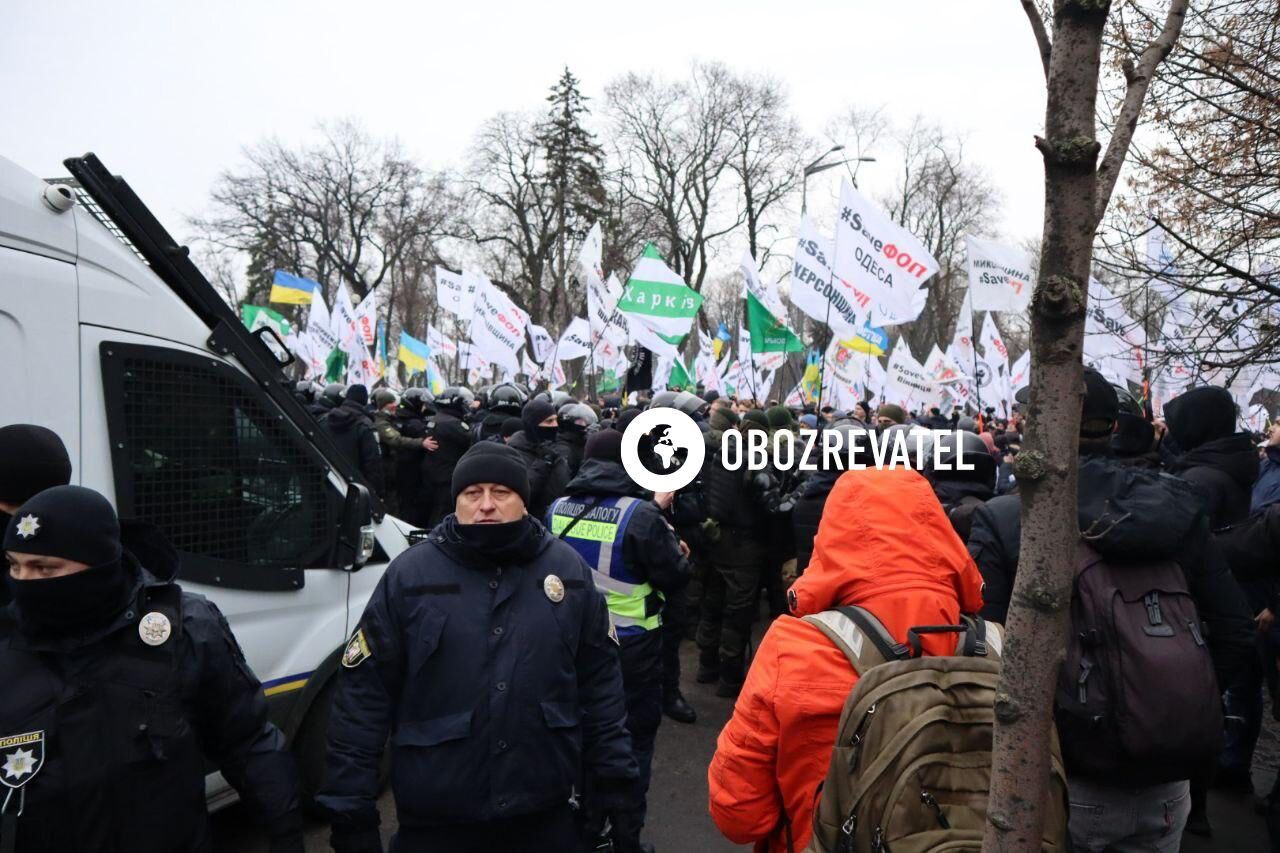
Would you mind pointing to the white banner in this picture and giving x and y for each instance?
(880, 258)
(906, 382)
(343, 319)
(367, 320)
(541, 342)
(529, 369)
(439, 344)
(1020, 373)
(455, 292)
(1114, 342)
(767, 294)
(575, 340)
(995, 361)
(825, 297)
(1000, 277)
(320, 327)
(498, 326)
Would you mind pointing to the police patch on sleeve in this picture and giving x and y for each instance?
(357, 651)
(21, 757)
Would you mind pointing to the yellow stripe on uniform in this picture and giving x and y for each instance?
(285, 688)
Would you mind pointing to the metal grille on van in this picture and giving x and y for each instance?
(198, 454)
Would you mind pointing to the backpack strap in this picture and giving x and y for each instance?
(860, 636)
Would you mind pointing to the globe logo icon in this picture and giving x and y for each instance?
(663, 450)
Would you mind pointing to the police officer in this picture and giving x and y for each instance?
(117, 686)
(487, 656)
(32, 459)
(449, 439)
(548, 469)
(399, 451)
(352, 432)
(635, 558)
(575, 421)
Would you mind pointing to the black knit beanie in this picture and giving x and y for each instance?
(359, 393)
(491, 462)
(605, 444)
(32, 459)
(70, 522)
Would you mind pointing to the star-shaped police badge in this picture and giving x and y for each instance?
(27, 526)
(19, 763)
(21, 757)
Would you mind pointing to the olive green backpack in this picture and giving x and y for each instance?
(911, 766)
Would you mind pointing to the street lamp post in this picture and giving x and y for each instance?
(818, 166)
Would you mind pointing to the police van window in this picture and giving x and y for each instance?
(199, 452)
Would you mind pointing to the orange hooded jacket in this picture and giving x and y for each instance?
(885, 544)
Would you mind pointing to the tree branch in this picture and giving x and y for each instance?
(1042, 36)
(1138, 82)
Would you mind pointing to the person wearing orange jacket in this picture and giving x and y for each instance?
(884, 543)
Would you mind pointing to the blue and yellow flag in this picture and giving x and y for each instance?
(291, 289)
(435, 382)
(413, 354)
(809, 383)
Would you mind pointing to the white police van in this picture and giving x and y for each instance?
(112, 338)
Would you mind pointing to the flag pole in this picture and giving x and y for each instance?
(822, 370)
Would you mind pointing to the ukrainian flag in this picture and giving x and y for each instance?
(291, 289)
(413, 354)
(435, 382)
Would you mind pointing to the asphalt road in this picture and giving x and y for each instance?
(678, 819)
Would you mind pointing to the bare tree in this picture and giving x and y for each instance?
(768, 152)
(673, 142)
(342, 210)
(514, 213)
(940, 197)
(1077, 191)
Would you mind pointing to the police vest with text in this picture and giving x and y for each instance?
(597, 529)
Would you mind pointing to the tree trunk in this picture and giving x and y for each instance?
(1047, 466)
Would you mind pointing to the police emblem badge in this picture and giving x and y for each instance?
(21, 757)
(154, 628)
(357, 651)
(554, 588)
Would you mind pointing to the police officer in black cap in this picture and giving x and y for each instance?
(487, 657)
(117, 686)
(32, 459)
(449, 438)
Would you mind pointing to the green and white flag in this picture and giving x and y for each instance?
(679, 376)
(768, 333)
(658, 304)
(257, 316)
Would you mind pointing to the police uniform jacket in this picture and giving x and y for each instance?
(498, 685)
(105, 736)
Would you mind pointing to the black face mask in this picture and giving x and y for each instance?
(506, 542)
(72, 603)
(543, 434)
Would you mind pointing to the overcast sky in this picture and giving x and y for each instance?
(168, 94)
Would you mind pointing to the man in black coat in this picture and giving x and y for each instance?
(351, 429)
(994, 543)
(119, 690)
(487, 657)
(642, 564)
(548, 469)
(450, 438)
(1209, 452)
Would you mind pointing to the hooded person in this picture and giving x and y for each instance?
(100, 650)
(884, 545)
(1221, 462)
(32, 459)
(548, 469)
(1173, 527)
(352, 431)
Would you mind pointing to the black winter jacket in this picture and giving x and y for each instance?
(548, 472)
(650, 546)
(994, 543)
(808, 513)
(352, 431)
(961, 499)
(1224, 470)
(127, 730)
(497, 698)
(734, 498)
